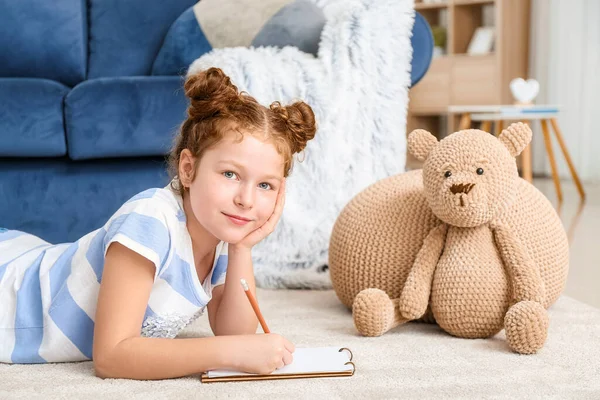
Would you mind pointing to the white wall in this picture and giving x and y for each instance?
(565, 58)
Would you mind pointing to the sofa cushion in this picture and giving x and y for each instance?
(125, 36)
(44, 39)
(31, 118)
(124, 117)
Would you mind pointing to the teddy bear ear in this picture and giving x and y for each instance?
(420, 143)
(516, 137)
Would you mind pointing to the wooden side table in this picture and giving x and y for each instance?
(503, 113)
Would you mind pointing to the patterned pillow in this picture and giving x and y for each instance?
(214, 24)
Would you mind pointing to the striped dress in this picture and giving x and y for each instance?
(48, 293)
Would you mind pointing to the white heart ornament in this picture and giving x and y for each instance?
(524, 91)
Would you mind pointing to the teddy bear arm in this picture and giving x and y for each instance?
(414, 298)
(523, 273)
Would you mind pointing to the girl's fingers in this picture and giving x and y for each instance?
(289, 346)
(287, 357)
(280, 199)
(269, 226)
(281, 194)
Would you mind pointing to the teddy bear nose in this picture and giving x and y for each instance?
(461, 188)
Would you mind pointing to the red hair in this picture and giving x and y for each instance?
(216, 104)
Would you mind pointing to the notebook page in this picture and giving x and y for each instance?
(306, 360)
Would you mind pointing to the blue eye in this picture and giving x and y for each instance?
(229, 175)
(264, 185)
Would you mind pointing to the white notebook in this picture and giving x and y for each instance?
(308, 363)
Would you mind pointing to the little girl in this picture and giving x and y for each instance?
(119, 295)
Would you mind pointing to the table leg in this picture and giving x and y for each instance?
(548, 143)
(567, 158)
(486, 126)
(526, 161)
(465, 122)
(498, 128)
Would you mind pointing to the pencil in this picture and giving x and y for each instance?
(254, 305)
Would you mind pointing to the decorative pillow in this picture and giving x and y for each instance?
(184, 42)
(214, 24)
(299, 24)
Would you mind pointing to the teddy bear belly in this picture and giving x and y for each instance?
(470, 295)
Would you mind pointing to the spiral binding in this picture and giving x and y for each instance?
(351, 357)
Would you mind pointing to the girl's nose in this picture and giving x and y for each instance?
(245, 197)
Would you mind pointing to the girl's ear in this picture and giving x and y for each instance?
(187, 163)
(516, 137)
(420, 143)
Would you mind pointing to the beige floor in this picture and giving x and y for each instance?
(413, 361)
(582, 222)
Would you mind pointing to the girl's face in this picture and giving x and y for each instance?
(236, 186)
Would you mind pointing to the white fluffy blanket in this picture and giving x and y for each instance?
(358, 88)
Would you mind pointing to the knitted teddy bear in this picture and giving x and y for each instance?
(464, 243)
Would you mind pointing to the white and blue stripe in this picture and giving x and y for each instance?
(48, 293)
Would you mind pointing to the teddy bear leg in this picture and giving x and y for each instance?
(526, 326)
(375, 313)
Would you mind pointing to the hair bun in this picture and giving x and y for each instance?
(210, 92)
(299, 121)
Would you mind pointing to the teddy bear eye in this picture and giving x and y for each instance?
(448, 174)
(479, 171)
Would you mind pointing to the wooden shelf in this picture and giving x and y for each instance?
(467, 18)
(458, 78)
(472, 2)
(430, 6)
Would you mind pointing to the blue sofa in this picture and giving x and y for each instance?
(83, 124)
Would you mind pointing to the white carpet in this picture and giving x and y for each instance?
(412, 361)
